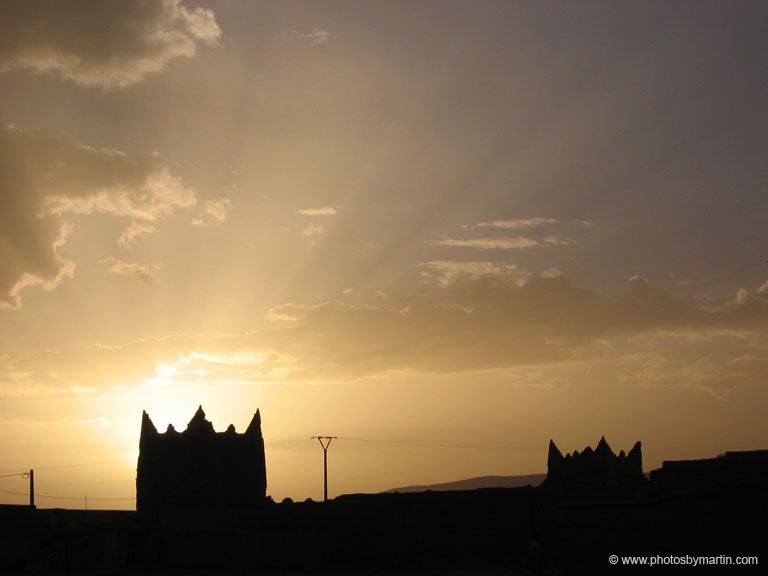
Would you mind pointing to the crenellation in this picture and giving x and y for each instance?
(199, 467)
(600, 467)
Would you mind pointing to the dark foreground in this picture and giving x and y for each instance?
(489, 531)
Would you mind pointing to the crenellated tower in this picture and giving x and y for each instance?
(600, 467)
(199, 467)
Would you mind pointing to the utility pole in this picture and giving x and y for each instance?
(31, 476)
(325, 441)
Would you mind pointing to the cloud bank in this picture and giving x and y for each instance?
(109, 44)
(475, 236)
(45, 180)
(323, 211)
(517, 224)
(485, 317)
(538, 331)
(500, 243)
(316, 37)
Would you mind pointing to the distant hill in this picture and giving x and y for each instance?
(479, 482)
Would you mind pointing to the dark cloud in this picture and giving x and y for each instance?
(532, 332)
(482, 323)
(28, 238)
(45, 179)
(104, 43)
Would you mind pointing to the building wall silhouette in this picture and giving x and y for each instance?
(200, 468)
(727, 470)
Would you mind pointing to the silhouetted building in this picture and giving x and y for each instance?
(730, 469)
(595, 468)
(200, 468)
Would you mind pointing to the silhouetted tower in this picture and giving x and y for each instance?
(327, 440)
(593, 468)
(200, 468)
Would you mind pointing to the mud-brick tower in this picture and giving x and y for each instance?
(200, 468)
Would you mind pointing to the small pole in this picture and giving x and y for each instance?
(31, 488)
(325, 445)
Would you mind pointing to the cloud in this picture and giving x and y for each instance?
(716, 365)
(750, 306)
(238, 366)
(518, 224)
(45, 181)
(314, 38)
(31, 256)
(476, 324)
(483, 242)
(313, 229)
(746, 297)
(108, 44)
(121, 268)
(557, 241)
(512, 243)
(542, 329)
(100, 421)
(133, 232)
(451, 272)
(159, 194)
(324, 211)
(215, 212)
(551, 273)
(146, 363)
(486, 316)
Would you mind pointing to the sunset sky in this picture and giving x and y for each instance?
(444, 232)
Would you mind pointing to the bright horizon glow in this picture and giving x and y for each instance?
(485, 225)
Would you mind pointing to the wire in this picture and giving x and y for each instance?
(84, 464)
(79, 498)
(66, 497)
(13, 475)
(18, 471)
(16, 493)
(444, 444)
(123, 481)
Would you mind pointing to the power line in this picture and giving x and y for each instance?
(446, 444)
(514, 444)
(62, 466)
(30, 474)
(76, 498)
(84, 464)
(14, 475)
(17, 470)
(66, 497)
(14, 493)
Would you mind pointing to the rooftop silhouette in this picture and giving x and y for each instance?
(202, 488)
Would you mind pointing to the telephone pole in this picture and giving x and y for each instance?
(325, 441)
(31, 476)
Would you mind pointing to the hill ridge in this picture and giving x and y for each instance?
(477, 482)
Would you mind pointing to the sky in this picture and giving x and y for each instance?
(444, 232)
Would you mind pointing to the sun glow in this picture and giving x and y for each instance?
(484, 255)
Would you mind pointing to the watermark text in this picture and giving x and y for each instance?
(685, 560)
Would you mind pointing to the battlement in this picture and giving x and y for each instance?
(595, 468)
(199, 467)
